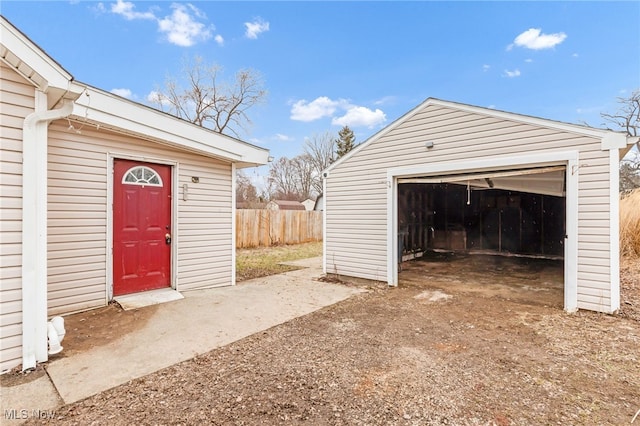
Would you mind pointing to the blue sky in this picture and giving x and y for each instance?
(363, 64)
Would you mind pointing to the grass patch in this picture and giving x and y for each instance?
(263, 261)
(630, 225)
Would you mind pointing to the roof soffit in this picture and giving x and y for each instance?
(125, 116)
(29, 60)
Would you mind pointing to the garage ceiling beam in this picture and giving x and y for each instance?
(485, 175)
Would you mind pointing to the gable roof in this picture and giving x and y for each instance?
(31, 62)
(108, 111)
(610, 139)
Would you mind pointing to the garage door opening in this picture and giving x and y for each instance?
(504, 223)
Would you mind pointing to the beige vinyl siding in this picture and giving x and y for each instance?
(205, 241)
(78, 212)
(356, 210)
(17, 100)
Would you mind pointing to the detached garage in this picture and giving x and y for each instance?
(449, 177)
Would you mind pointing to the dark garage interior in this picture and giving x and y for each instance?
(495, 221)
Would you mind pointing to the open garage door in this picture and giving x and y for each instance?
(546, 180)
(517, 214)
(509, 212)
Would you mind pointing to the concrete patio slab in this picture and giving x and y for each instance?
(202, 321)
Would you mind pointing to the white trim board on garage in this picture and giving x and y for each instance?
(472, 168)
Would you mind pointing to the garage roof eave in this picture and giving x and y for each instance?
(610, 136)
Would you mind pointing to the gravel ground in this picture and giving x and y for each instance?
(428, 352)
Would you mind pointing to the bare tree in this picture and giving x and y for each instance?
(282, 179)
(291, 179)
(208, 102)
(627, 118)
(304, 176)
(246, 191)
(319, 150)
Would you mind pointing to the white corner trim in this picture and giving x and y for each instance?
(571, 240)
(392, 229)
(233, 224)
(324, 224)
(34, 229)
(614, 230)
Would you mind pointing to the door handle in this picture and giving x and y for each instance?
(167, 238)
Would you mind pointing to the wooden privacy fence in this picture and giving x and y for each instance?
(255, 228)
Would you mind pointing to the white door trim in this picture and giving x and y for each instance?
(568, 158)
(111, 157)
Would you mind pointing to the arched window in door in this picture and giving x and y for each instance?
(141, 175)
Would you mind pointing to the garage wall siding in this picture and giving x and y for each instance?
(356, 190)
(77, 215)
(17, 100)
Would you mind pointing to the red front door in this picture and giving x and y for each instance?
(141, 227)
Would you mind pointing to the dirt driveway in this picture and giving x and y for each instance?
(432, 351)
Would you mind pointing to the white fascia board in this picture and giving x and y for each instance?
(527, 119)
(374, 137)
(543, 122)
(121, 115)
(614, 140)
(30, 60)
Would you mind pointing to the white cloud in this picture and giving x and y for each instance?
(528, 60)
(281, 137)
(126, 9)
(255, 28)
(511, 74)
(323, 106)
(575, 55)
(181, 27)
(125, 93)
(535, 40)
(314, 110)
(219, 39)
(157, 97)
(360, 116)
(486, 67)
(385, 100)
